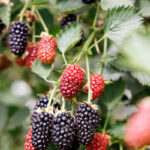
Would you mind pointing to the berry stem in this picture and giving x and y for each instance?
(85, 47)
(104, 54)
(49, 81)
(120, 147)
(23, 11)
(106, 122)
(88, 76)
(33, 32)
(42, 22)
(96, 16)
(51, 96)
(63, 55)
(63, 104)
(93, 45)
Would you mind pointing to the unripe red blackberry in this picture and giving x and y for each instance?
(88, 1)
(63, 131)
(70, 18)
(41, 130)
(18, 38)
(2, 26)
(97, 86)
(86, 123)
(28, 144)
(71, 81)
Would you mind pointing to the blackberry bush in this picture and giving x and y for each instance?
(63, 131)
(18, 38)
(86, 123)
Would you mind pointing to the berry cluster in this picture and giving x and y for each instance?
(99, 142)
(18, 38)
(86, 120)
(63, 131)
(71, 81)
(28, 144)
(47, 49)
(97, 86)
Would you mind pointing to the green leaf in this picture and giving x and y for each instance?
(18, 118)
(145, 8)
(113, 94)
(39, 2)
(5, 14)
(41, 69)
(109, 4)
(143, 78)
(69, 37)
(136, 52)
(69, 5)
(120, 22)
(3, 116)
(117, 131)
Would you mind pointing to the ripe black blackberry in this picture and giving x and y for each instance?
(63, 131)
(18, 38)
(88, 1)
(41, 130)
(2, 26)
(70, 18)
(86, 123)
(43, 101)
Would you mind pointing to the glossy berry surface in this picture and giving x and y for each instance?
(71, 81)
(88, 1)
(99, 142)
(97, 86)
(47, 49)
(41, 130)
(86, 123)
(63, 131)
(28, 144)
(18, 38)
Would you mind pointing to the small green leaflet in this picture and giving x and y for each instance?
(5, 14)
(69, 37)
(109, 4)
(69, 5)
(43, 70)
(143, 78)
(136, 52)
(120, 22)
(39, 2)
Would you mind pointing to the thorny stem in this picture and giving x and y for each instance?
(42, 21)
(96, 16)
(23, 11)
(88, 76)
(104, 54)
(106, 121)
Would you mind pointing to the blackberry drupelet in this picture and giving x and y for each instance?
(18, 38)
(2, 26)
(88, 1)
(41, 130)
(71, 18)
(63, 131)
(86, 123)
(43, 101)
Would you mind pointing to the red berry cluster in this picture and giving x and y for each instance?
(99, 142)
(28, 143)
